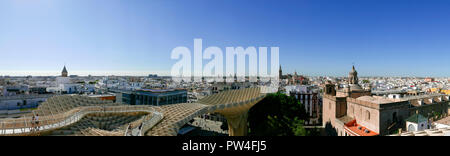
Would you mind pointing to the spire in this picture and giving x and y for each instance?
(353, 72)
(280, 73)
(64, 72)
(353, 76)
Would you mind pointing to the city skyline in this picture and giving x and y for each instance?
(167, 73)
(316, 38)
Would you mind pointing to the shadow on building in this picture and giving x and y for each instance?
(330, 130)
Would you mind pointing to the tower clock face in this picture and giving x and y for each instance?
(411, 128)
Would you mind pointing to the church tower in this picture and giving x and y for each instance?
(353, 76)
(294, 78)
(355, 90)
(280, 73)
(64, 72)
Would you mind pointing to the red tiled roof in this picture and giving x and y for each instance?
(355, 129)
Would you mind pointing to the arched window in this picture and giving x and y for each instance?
(352, 110)
(367, 115)
(411, 128)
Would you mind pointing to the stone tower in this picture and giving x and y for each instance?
(294, 78)
(353, 76)
(280, 73)
(330, 88)
(64, 72)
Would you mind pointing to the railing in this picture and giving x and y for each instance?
(416, 97)
(29, 96)
(126, 130)
(27, 125)
(269, 89)
(148, 124)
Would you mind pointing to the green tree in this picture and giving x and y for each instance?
(297, 128)
(277, 115)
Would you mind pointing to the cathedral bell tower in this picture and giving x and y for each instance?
(280, 73)
(64, 72)
(353, 76)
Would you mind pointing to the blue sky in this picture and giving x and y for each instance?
(316, 37)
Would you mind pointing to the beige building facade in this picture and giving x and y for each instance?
(353, 111)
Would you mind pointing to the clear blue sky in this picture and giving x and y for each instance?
(316, 37)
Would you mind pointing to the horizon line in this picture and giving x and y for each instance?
(159, 73)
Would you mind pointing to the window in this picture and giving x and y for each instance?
(411, 128)
(352, 110)
(367, 115)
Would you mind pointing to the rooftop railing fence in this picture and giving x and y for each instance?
(55, 121)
